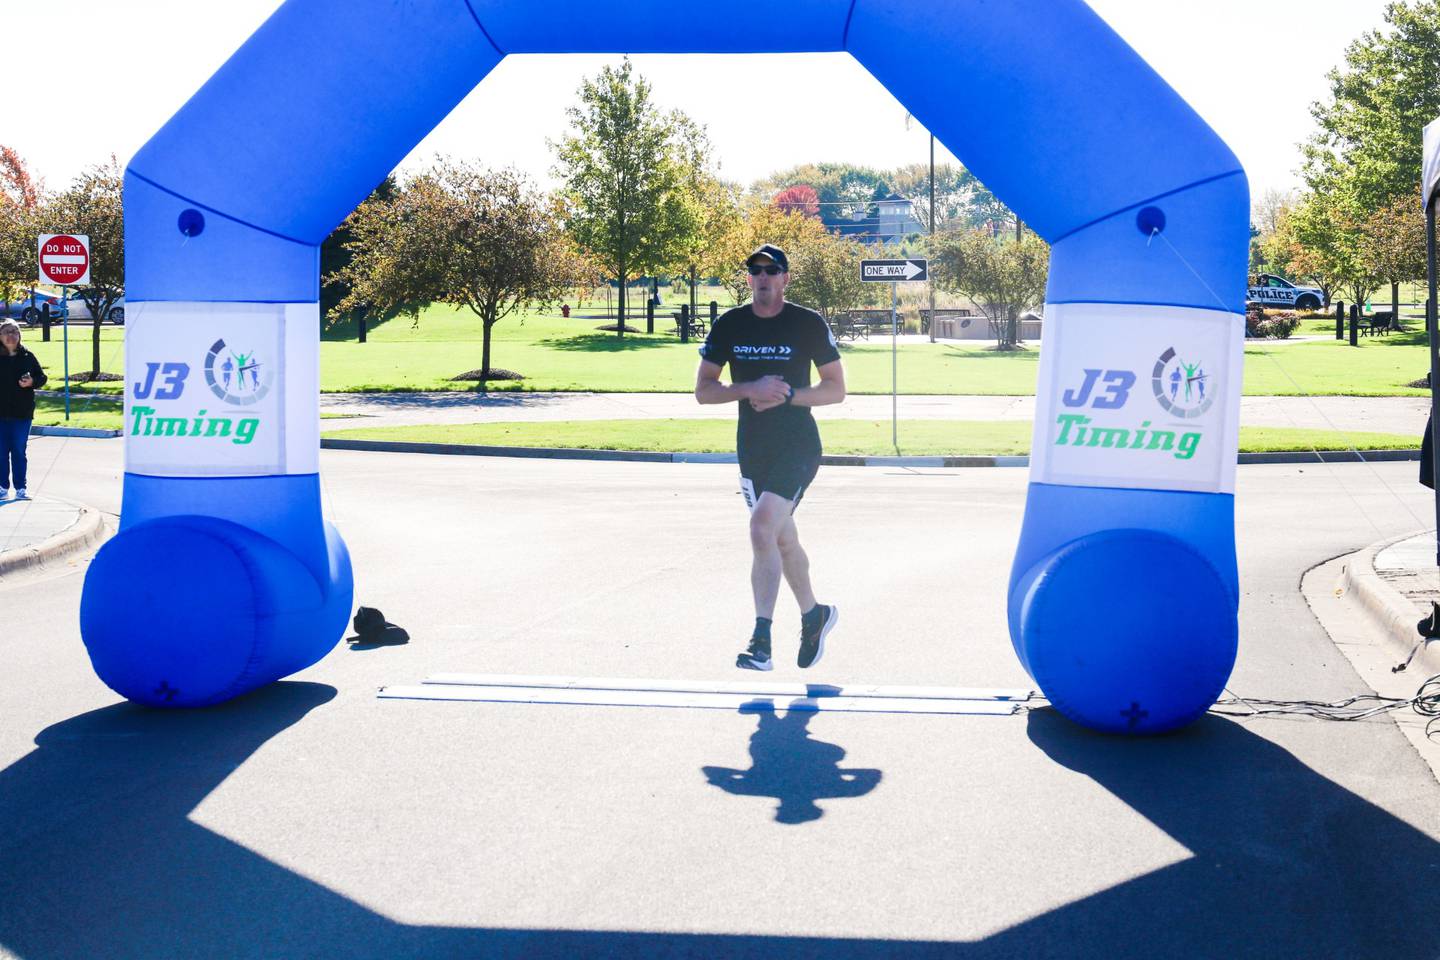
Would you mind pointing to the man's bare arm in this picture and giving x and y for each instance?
(830, 389)
(709, 389)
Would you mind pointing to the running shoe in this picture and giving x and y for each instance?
(812, 635)
(20, 494)
(756, 656)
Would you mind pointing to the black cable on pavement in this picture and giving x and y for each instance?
(1426, 703)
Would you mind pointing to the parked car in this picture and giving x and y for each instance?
(28, 309)
(79, 310)
(1272, 291)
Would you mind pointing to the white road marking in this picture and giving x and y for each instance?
(725, 686)
(704, 701)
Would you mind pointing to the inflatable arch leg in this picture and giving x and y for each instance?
(1123, 597)
(224, 575)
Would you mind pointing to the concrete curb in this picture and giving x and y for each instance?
(1395, 613)
(830, 460)
(646, 456)
(88, 531)
(88, 432)
(1330, 456)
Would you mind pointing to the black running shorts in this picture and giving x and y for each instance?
(786, 475)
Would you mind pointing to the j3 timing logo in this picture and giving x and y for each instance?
(235, 379)
(1182, 389)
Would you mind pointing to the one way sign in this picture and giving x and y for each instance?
(892, 271)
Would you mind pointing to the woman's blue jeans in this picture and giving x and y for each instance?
(13, 436)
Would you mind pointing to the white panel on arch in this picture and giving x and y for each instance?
(1138, 396)
(222, 389)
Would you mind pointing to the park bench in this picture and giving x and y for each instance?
(854, 324)
(1381, 322)
(847, 328)
(699, 325)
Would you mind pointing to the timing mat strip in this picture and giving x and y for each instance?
(706, 701)
(810, 690)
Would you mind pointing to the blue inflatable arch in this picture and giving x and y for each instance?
(1123, 597)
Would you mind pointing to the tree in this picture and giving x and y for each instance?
(461, 235)
(960, 199)
(760, 223)
(622, 170)
(1369, 126)
(91, 205)
(335, 255)
(1286, 253)
(18, 187)
(845, 191)
(800, 198)
(19, 198)
(1002, 276)
(1266, 215)
(825, 274)
(1267, 212)
(1392, 245)
(17, 250)
(705, 207)
(1328, 232)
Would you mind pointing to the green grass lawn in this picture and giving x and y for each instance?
(98, 412)
(855, 437)
(859, 437)
(570, 354)
(90, 412)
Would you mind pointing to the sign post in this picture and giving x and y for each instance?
(1430, 196)
(64, 260)
(895, 272)
(65, 333)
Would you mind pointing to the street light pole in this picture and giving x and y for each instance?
(895, 365)
(931, 283)
(1432, 308)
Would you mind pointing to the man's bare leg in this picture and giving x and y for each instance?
(796, 565)
(767, 520)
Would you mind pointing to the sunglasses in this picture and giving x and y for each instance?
(769, 269)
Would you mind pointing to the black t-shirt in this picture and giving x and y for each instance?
(785, 345)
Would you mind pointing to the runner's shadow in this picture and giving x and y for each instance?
(788, 764)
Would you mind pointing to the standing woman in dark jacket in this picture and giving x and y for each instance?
(20, 374)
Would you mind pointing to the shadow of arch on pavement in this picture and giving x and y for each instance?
(99, 858)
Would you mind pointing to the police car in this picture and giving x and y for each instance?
(1272, 291)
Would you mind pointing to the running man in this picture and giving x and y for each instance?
(770, 345)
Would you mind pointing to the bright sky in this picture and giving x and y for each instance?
(84, 78)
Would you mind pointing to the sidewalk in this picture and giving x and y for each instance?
(44, 530)
(1404, 415)
(1396, 581)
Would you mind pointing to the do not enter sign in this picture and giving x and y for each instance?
(64, 259)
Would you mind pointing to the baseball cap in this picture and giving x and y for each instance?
(773, 252)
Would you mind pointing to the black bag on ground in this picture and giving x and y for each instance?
(372, 627)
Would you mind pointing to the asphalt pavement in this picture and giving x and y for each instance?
(314, 819)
